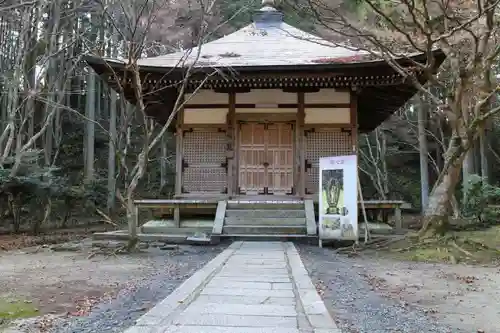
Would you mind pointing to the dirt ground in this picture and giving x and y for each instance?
(61, 282)
(465, 297)
(67, 283)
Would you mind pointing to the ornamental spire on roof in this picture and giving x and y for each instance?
(268, 3)
(268, 14)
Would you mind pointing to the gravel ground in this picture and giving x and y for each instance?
(140, 281)
(363, 294)
(134, 301)
(354, 301)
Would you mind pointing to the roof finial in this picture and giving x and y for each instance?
(268, 3)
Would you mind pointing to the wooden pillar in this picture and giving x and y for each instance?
(178, 162)
(231, 135)
(300, 148)
(397, 217)
(236, 153)
(354, 141)
(354, 120)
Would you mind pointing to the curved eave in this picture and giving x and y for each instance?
(376, 103)
(99, 62)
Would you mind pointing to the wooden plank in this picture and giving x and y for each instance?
(187, 127)
(381, 206)
(186, 206)
(310, 218)
(175, 201)
(175, 204)
(267, 117)
(278, 106)
(386, 204)
(394, 202)
(219, 218)
(338, 125)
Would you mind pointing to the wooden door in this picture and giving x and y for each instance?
(266, 158)
(252, 152)
(279, 150)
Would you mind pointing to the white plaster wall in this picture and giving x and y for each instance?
(327, 96)
(206, 97)
(205, 116)
(266, 110)
(266, 96)
(327, 116)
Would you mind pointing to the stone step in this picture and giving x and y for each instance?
(175, 231)
(123, 236)
(245, 229)
(259, 213)
(269, 221)
(266, 205)
(266, 237)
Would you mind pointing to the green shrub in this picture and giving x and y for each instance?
(478, 200)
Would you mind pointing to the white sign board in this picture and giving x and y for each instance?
(338, 198)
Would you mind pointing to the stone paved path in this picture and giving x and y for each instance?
(252, 287)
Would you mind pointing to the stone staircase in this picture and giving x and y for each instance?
(266, 219)
(251, 219)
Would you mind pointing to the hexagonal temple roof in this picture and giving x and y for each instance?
(268, 41)
(271, 53)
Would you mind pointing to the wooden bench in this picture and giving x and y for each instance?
(373, 207)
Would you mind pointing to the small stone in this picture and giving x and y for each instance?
(143, 246)
(169, 247)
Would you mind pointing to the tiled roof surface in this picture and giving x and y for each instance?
(267, 41)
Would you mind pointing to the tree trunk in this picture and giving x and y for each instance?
(423, 151)
(483, 153)
(90, 128)
(467, 170)
(112, 153)
(163, 164)
(435, 221)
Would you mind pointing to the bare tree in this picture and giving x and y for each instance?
(467, 33)
(141, 17)
(33, 94)
(373, 161)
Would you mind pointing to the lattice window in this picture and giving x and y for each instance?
(204, 179)
(204, 159)
(204, 146)
(322, 143)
